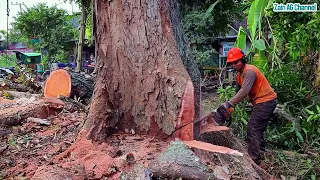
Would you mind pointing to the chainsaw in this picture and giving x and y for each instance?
(221, 116)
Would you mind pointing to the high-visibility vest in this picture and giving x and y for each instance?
(261, 91)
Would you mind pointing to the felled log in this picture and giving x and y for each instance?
(68, 83)
(16, 86)
(42, 108)
(18, 95)
(280, 113)
(81, 86)
(180, 162)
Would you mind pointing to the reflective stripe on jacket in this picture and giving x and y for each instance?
(261, 90)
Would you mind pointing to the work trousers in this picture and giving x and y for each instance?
(259, 120)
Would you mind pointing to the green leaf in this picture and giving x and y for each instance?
(260, 60)
(269, 50)
(310, 118)
(252, 24)
(244, 121)
(12, 142)
(259, 44)
(256, 12)
(210, 9)
(241, 39)
(298, 134)
(259, 11)
(318, 108)
(310, 112)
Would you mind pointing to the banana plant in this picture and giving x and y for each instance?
(259, 43)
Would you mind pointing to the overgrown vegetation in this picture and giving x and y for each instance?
(202, 26)
(285, 46)
(45, 29)
(11, 62)
(48, 24)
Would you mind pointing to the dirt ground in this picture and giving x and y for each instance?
(34, 150)
(26, 147)
(39, 151)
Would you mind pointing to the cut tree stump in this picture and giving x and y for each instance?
(212, 128)
(244, 166)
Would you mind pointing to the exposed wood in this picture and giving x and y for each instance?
(212, 148)
(245, 163)
(210, 127)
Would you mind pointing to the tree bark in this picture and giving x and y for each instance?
(187, 59)
(82, 33)
(142, 84)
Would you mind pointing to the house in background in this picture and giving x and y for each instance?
(221, 45)
(226, 42)
(13, 47)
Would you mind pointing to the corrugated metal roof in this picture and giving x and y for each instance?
(31, 54)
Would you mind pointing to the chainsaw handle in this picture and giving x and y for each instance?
(223, 116)
(229, 119)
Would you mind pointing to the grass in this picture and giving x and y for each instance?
(7, 63)
(292, 165)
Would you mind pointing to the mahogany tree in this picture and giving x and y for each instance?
(143, 84)
(146, 84)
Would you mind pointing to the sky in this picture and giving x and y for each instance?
(14, 9)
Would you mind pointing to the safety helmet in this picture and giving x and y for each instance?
(234, 54)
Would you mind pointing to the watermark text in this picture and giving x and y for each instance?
(294, 7)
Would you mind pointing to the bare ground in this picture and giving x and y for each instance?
(34, 151)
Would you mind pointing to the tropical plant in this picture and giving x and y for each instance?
(202, 25)
(260, 45)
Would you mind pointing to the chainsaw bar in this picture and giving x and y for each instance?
(221, 116)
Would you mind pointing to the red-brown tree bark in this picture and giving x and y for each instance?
(141, 78)
(143, 86)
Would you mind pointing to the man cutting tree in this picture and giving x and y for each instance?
(251, 83)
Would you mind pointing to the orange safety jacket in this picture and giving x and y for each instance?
(261, 91)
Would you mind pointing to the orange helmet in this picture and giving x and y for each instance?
(234, 54)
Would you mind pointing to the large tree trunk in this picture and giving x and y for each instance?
(187, 59)
(142, 87)
(82, 33)
(142, 84)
